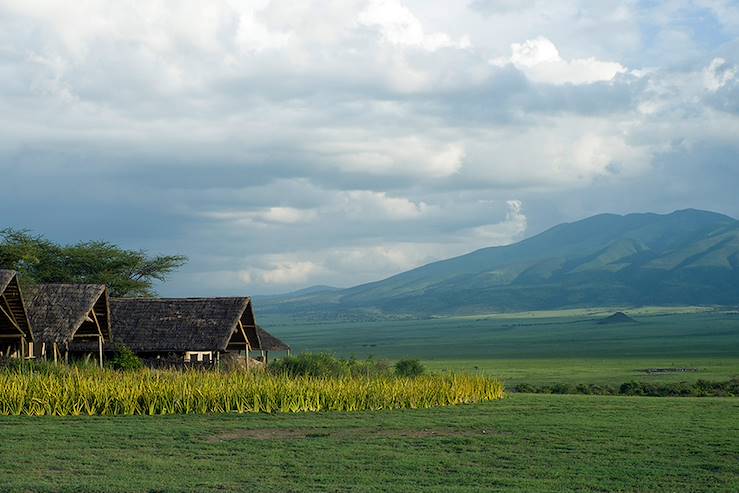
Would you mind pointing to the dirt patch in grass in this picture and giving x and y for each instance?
(349, 433)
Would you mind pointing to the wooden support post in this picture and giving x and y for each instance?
(100, 349)
(266, 357)
(66, 352)
(23, 347)
(56, 353)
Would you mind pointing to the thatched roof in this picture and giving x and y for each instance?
(268, 342)
(180, 324)
(11, 301)
(6, 276)
(57, 311)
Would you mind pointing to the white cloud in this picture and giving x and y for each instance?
(540, 60)
(363, 204)
(505, 232)
(718, 74)
(399, 26)
(283, 271)
(421, 157)
(253, 36)
(280, 215)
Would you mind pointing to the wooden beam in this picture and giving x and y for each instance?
(11, 320)
(97, 324)
(247, 347)
(7, 306)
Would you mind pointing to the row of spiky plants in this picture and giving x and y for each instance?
(147, 392)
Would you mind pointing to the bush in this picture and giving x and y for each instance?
(409, 368)
(125, 360)
(307, 364)
(326, 365)
(367, 368)
(701, 388)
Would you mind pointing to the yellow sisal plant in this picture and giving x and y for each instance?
(155, 392)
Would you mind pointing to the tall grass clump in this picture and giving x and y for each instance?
(83, 391)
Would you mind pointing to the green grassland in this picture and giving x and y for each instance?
(578, 335)
(545, 347)
(522, 443)
(611, 371)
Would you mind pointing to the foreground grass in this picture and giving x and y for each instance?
(522, 443)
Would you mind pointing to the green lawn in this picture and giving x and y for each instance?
(523, 443)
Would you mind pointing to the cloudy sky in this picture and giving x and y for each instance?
(286, 143)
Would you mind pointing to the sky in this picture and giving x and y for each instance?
(285, 143)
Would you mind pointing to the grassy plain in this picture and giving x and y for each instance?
(545, 347)
(523, 443)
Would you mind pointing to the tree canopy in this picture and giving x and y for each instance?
(125, 272)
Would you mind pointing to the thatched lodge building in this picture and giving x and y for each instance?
(190, 330)
(16, 336)
(69, 319)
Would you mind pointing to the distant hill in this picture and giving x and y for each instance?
(688, 257)
(311, 290)
(616, 318)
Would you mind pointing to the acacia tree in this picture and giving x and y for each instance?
(125, 272)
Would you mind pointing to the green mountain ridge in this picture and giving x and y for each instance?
(687, 257)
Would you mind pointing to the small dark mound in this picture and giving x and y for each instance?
(617, 318)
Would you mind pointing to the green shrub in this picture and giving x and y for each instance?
(701, 388)
(326, 365)
(125, 360)
(409, 368)
(308, 364)
(367, 368)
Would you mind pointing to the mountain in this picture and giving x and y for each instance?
(310, 290)
(688, 257)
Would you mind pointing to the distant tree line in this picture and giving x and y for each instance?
(127, 273)
(699, 388)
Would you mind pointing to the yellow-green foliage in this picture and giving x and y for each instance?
(106, 392)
